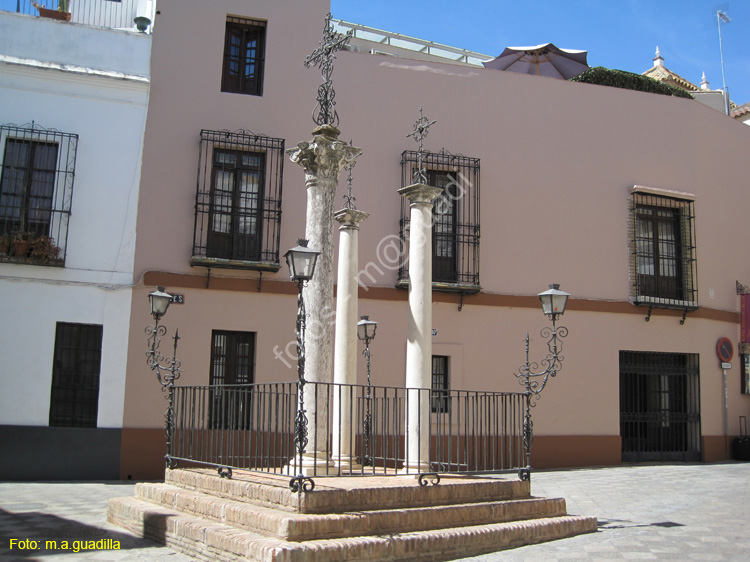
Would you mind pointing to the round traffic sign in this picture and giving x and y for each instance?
(724, 350)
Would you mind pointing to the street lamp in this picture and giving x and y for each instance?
(301, 261)
(159, 302)
(366, 332)
(167, 368)
(553, 302)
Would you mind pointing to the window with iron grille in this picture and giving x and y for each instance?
(455, 213)
(244, 54)
(238, 203)
(660, 406)
(440, 399)
(232, 363)
(36, 189)
(663, 256)
(74, 400)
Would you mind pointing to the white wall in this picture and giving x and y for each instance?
(43, 39)
(108, 112)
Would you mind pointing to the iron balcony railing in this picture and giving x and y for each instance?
(114, 14)
(252, 427)
(37, 172)
(405, 42)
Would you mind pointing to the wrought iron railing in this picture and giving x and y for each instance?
(114, 14)
(252, 427)
(455, 219)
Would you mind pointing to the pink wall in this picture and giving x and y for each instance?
(557, 162)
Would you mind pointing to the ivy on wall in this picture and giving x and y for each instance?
(629, 81)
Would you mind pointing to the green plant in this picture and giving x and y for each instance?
(628, 81)
(43, 248)
(62, 5)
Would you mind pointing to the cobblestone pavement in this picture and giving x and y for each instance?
(662, 512)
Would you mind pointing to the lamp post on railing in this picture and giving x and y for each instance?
(167, 368)
(553, 305)
(366, 332)
(301, 261)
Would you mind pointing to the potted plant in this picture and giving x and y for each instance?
(21, 244)
(4, 244)
(43, 248)
(62, 13)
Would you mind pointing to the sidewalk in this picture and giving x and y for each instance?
(661, 512)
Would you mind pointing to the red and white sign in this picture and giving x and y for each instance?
(725, 350)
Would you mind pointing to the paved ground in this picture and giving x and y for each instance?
(664, 512)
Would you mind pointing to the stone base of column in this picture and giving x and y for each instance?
(313, 463)
(348, 465)
(418, 468)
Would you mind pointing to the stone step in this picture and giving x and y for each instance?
(210, 541)
(302, 526)
(346, 494)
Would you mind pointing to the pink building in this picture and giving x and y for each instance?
(633, 202)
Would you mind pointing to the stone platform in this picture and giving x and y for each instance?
(257, 518)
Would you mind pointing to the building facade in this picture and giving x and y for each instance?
(614, 194)
(609, 192)
(71, 130)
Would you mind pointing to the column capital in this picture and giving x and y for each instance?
(420, 193)
(324, 156)
(350, 218)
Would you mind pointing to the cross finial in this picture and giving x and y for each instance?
(349, 199)
(322, 57)
(419, 133)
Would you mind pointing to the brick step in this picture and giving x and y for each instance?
(346, 494)
(209, 541)
(303, 526)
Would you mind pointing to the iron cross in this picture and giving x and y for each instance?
(349, 199)
(322, 57)
(419, 133)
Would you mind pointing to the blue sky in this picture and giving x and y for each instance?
(621, 34)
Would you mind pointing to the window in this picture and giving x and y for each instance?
(238, 205)
(36, 185)
(244, 52)
(455, 229)
(440, 399)
(232, 363)
(663, 251)
(76, 366)
(444, 235)
(745, 373)
(234, 216)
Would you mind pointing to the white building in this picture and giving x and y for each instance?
(71, 132)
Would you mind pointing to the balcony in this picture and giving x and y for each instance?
(131, 15)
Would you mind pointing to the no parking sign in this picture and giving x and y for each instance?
(725, 351)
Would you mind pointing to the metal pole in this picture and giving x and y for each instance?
(721, 16)
(368, 414)
(301, 483)
(726, 414)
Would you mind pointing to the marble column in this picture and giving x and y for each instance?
(322, 159)
(419, 335)
(345, 359)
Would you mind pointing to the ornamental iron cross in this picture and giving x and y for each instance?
(419, 133)
(349, 199)
(322, 57)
